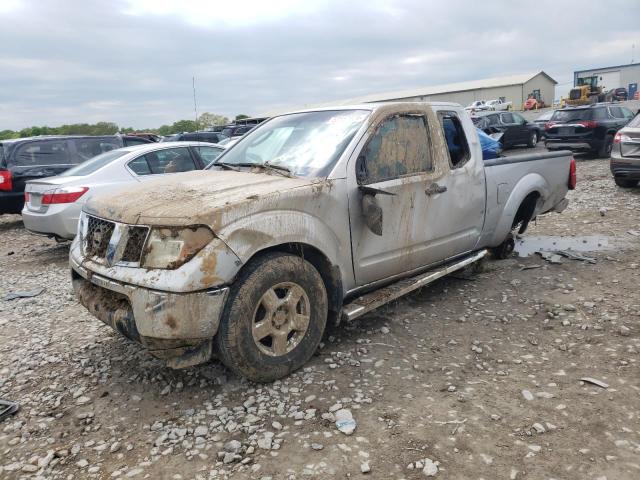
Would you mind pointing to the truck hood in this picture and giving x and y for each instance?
(198, 197)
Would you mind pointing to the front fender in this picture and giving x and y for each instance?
(530, 183)
(253, 233)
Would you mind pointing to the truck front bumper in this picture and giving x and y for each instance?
(175, 327)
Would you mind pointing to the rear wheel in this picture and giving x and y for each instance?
(274, 319)
(505, 249)
(533, 140)
(625, 182)
(607, 146)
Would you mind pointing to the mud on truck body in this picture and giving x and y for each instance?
(314, 216)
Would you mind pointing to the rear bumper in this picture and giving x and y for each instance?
(577, 146)
(625, 168)
(59, 221)
(175, 327)
(11, 202)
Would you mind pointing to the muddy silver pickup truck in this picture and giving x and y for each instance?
(314, 216)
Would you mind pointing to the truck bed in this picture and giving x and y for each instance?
(510, 179)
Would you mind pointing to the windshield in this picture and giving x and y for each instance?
(306, 144)
(635, 122)
(94, 164)
(571, 115)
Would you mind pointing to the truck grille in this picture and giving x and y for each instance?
(113, 242)
(98, 236)
(135, 244)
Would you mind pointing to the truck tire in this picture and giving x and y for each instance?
(274, 318)
(625, 182)
(605, 149)
(533, 140)
(505, 249)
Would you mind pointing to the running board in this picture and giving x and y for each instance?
(379, 297)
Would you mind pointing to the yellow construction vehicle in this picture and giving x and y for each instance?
(586, 91)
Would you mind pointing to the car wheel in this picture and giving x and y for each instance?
(625, 182)
(605, 149)
(274, 318)
(533, 140)
(505, 249)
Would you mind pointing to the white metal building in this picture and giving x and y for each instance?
(613, 77)
(513, 88)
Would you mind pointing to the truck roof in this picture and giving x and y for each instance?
(371, 106)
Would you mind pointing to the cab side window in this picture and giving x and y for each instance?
(399, 147)
(457, 145)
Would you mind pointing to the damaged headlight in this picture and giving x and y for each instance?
(171, 248)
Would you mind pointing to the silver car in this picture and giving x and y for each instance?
(53, 205)
(625, 155)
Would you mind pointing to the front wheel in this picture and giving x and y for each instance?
(533, 140)
(274, 318)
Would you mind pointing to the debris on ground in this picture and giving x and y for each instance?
(345, 421)
(595, 382)
(7, 408)
(23, 294)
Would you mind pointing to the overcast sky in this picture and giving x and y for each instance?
(132, 61)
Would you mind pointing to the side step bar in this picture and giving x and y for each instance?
(379, 297)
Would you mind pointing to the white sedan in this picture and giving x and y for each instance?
(52, 205)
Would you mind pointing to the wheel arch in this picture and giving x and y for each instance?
(330, 273)
(521, 207)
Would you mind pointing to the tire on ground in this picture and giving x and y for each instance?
(625, 182)
(234, 343)
(605, 149)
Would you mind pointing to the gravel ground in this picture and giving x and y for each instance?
(477, 377)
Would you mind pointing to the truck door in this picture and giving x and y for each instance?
(429, 213)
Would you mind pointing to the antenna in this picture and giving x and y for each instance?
(633, 51)
(195, 104)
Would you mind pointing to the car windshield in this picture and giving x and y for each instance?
(572, 115)
(94, 164)
(305, 144)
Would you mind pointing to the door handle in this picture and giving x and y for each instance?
(434, 189)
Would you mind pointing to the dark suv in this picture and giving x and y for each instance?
(23, 159)
(207, 136)
(513, 126)
(588, 129)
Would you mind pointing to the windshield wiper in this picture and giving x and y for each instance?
(286, 171)
(226, 166)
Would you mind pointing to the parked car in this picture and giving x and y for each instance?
(513, 126)
(207, 136)
(540, 123)
(617, 94)
(498, 104)
(625, 155)
(313, 216)
(24, 159)
(236, 130)
(53, 204)
(588, 128)
(477, 106)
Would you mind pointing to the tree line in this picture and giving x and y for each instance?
(204, 121)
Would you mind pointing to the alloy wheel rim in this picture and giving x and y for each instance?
(281, 319)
